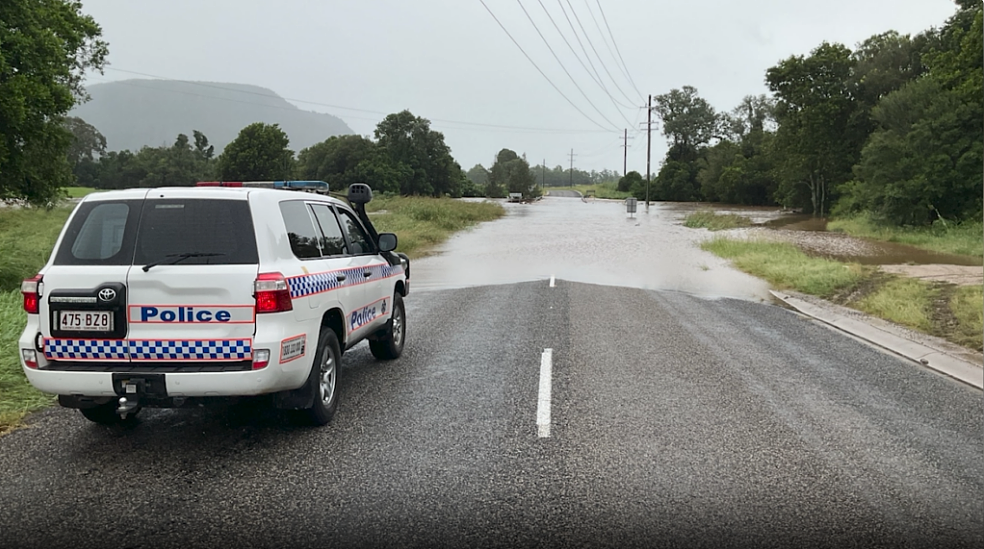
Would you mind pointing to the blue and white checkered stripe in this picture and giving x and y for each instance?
(310, 284)
(156, 349)
(85, 349)
(170, 349)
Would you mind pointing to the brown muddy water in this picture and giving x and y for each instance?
(593, 242)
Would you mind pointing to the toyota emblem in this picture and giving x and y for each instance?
(107, 294)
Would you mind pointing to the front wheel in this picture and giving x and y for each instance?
(389, 345)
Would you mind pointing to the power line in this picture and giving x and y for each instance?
(626, 67)
(559, 62)
(328, 105)
(579, 60)
(595, 50)
(538, 68)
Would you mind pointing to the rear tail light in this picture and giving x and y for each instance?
(31, 288)
(261, 357)
(30, 358)
(272, 295)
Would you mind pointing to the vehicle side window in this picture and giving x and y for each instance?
(332, 241)
(361, 243)
(304, 237)
(101, 236)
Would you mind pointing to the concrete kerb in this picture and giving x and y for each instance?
(938, 357)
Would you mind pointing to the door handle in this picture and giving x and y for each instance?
(367, 274)
(340, 278)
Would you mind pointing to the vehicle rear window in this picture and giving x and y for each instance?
(140, 232)
(223, 229)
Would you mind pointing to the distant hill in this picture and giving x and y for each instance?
(134, 113)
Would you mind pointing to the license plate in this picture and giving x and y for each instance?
(86, 321)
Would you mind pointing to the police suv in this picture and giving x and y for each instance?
(161, 297)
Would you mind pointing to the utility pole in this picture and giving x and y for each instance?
(543, 175)
(625, 154)
(572, 155)
(649, 145)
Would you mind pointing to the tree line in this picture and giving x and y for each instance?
(406, 157)
(893, 128)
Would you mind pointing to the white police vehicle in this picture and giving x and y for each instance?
(160, 297)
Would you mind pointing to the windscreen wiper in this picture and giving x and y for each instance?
(178, 258)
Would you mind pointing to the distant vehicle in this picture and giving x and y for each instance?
(161, 297)
(515, 197)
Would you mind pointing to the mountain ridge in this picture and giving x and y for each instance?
(135, 113)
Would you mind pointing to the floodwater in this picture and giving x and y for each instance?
(594, 242)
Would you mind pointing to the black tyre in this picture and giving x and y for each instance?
(323, 382)
(389, 345)
(105, 414)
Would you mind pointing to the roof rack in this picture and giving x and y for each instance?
(319, 187)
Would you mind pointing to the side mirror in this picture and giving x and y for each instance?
(387, 242)
(359, 193)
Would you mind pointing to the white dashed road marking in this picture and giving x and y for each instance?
(543, 401)
(553, 281)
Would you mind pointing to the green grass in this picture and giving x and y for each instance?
(27, 236)
(707, 219)
(966, 304)
(79, 192)
(786, 267)
(904, 301)
(965, 238)
(421, 223)
(17, 396)
(601, 190)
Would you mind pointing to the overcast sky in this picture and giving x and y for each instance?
(450, 62)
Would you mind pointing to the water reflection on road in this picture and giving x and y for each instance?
(593, 242)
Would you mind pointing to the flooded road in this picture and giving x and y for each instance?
(593, 242)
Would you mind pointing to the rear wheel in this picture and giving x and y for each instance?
(323, 381)
(390, 345)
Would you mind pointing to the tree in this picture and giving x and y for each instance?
(337, 161)
(427, 165)
(258, 153)
(46, 47)
(688, 120)
(512, 173)
(87, 142)
(630, 181)
(821, 128)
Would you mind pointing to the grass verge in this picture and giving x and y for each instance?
(17, 396)
(601, 190)
(79, 192)
(966, 306)
(947, 311)
(27, 236)
(707, 219)
(421, 223)
(965, 238)
(904, 301)
(786, 267)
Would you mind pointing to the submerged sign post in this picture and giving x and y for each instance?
(630, 205)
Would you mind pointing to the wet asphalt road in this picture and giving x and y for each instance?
(677, 421)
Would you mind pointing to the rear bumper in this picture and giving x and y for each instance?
(271, 379)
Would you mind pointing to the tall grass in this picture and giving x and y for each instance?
(905, 301)
(966, 238)
(421, 223)
(966, 304)
(17, 396)
(707, 219)
(786, 267)
(27, 236)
